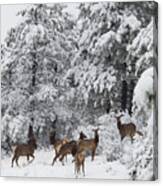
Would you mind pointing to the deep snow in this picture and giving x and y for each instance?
(41, 167)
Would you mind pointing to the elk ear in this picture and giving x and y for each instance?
(94, 130)
(118, 117)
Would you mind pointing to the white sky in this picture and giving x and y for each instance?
(9, 18)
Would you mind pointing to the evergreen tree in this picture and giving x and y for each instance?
(33, 68)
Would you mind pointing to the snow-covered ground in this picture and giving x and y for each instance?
(41, 167)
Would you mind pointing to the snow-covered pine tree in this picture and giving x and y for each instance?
(143, 161)
(103, 71)
(100, 65)
(34, 66)
(144, 47)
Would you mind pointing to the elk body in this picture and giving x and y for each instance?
(89, 144)
(68, 148)
(24, 150)
(79, 162)
(59, 143)
(127, 129)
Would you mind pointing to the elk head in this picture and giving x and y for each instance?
(82, 136)
(95, 130)
(119, 117)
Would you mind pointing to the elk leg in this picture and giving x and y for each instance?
(61, 159)
(32, 157)
(93, 154)
(56, 152)
(17, 161)
(27, 157)
(83, 168)
(79, 166)
(75, 168)
(66, 158)
(13, 159)
(132, 139)
(122, 137)
(55, 158)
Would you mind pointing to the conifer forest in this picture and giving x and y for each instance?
(79, 91)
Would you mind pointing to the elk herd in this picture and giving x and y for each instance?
(62, 147)
(77, 148)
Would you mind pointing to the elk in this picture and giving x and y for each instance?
(79, 161)
(24, 150)
(57, 143)
(89, 144)
(127, 129)
(68, 148)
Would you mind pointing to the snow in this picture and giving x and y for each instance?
(96, 7)
(41, 167)
(33, 32)
(143, 109)
(47, 91)
(106, 38)
(84, 37)
(145, 37)
(143, 46)
(143, 155)
(144, 89)
(132, 21)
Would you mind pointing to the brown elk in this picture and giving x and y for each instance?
(127, 129)
(89, 144)
(68, 148)
(79, 161)
(57, 143)
(24, 150)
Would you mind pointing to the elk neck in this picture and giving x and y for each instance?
(32, 143)
(118, 123)
(53, 138)
(96, 137)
